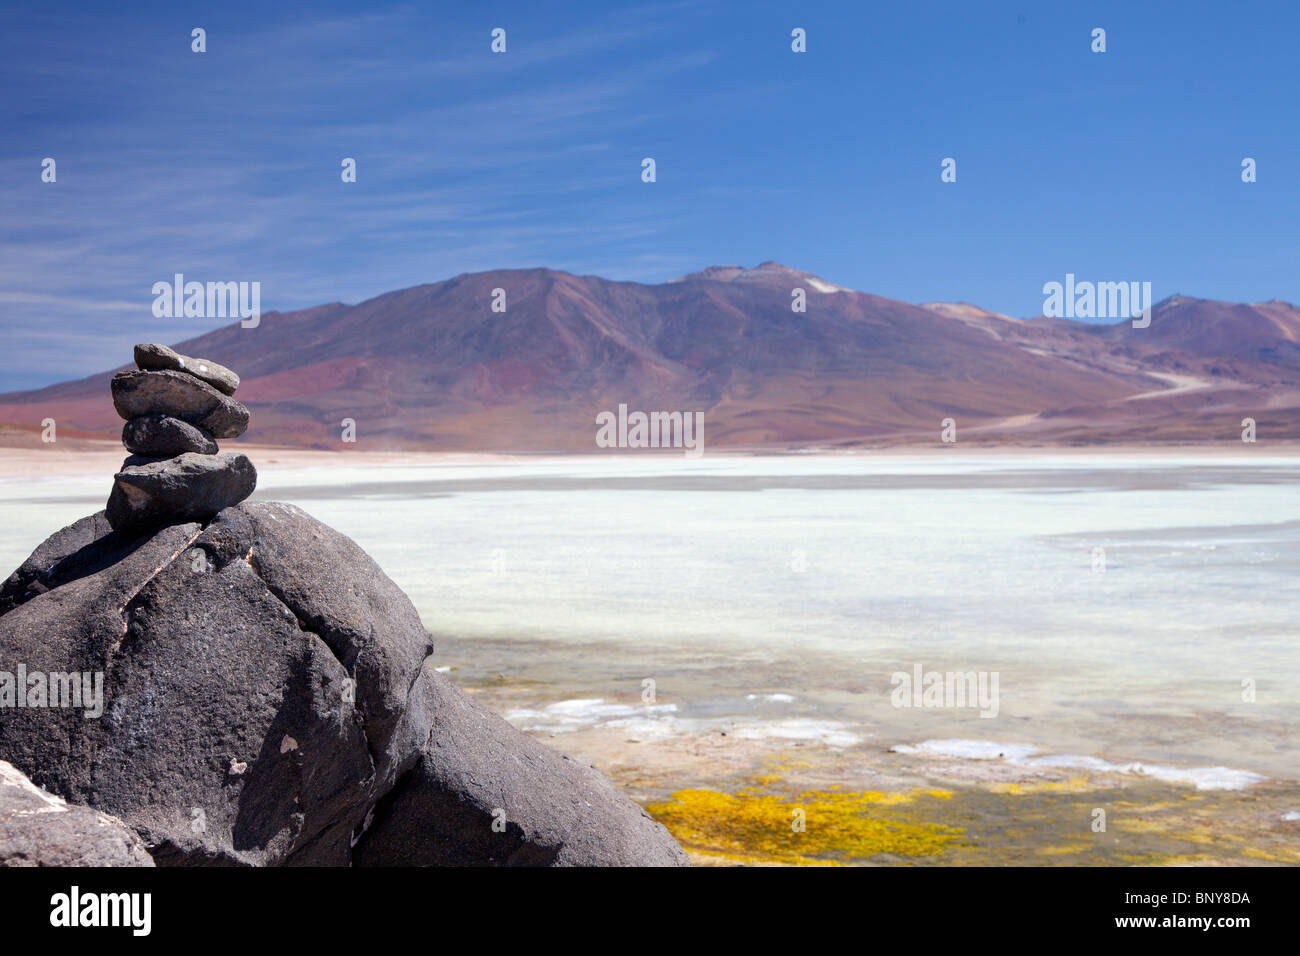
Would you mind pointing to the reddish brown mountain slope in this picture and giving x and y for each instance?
(432, 367)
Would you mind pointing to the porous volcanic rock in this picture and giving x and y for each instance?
(476, 771)
(268, 701)
(40, 829)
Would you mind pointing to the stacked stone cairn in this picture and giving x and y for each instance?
(175, 408)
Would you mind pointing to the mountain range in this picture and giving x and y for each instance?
(434, 367)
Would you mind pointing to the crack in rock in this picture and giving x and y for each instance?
(124, 610)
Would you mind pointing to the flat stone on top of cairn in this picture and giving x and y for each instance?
(157, 358)
(175, 407)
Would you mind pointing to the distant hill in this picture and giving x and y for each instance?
(434, 368)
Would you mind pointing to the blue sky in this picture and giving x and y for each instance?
(225, 165)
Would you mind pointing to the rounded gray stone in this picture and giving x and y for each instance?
(139, 393)
(162, 436)
(189, 487)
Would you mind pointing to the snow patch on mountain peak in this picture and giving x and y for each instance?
(763, 272)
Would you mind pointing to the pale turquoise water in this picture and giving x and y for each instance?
(817, 577)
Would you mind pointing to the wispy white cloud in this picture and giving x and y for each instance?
(67, 302)
(227, 166)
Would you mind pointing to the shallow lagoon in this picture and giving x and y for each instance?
(774, 597)
(772, 601)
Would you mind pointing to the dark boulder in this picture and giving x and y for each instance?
(249, 718)
(266, 701)
(486, 794)
(40, 571)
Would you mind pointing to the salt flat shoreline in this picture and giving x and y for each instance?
(74, 457)
(723, 793)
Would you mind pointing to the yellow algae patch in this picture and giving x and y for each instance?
(1171, 859)
(1073, 785)
(1147, 807)
(1187, 832)
(815, 828)
(1066, 850)
(1278, 855)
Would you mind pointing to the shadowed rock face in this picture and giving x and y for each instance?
(266, 702)
(39, 829)
(55, 559)
(475, 768)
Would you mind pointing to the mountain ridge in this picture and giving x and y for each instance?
(433, 367)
